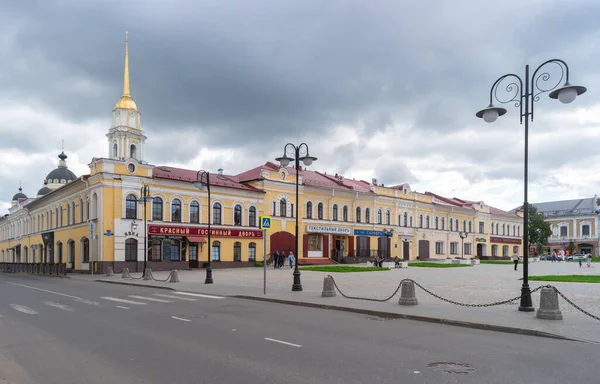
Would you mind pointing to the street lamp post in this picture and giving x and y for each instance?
(524, 93)
(145, 198)
(300, 153)
(463, 236)
(200, 182)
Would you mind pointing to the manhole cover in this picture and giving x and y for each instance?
(458, 368)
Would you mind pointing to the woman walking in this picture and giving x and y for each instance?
(515, 259)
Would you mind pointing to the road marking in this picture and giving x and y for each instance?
(24, 309)
(90, 302)
(199, 295)
(150, 299)
(283, 342)
(174, 297)
(59, 305)
(123, 300)
(122, 307)
(45, 290)
(179, 318)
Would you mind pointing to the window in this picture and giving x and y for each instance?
(585, 230)
(237, 251)
(155, 251)
(481, 227)
(505, 250)
(56, 216)
(367, 215)
(437, 220)
(193, 251)
(420, 221)
(470, 227)
(503, 229)
(456, 225)
(464, 225)
(514, 230)
(252, 217)
(406, 219)
(130, 207)
(519, 230)
(315, 242)
(379, 217)
(85, 250)
(320, 211)
(171, 250)
(217, 214)
(68, 214)
(194, 212)
(345, 213)
(157, 209)
(443, 223)
(564, 231)
(495, 250)
(237, 216)
(411, 221)
(335, 212)
(176, 211)
(274, 205)
(497, 229)
(282, 208)
(87, 209)
(454, 248)
(439, 247)
(132, 151)
(492, 229)
(80, 211)
(358, 216)
(131, 247)
(252, 252)
(468, 247)
(309, 210)
(216, 251)
(388, 218)
(115, 150)
(451, 222)
(292, 210)
(427, 221)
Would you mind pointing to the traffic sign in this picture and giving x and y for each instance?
(109, 233)
(265, 222)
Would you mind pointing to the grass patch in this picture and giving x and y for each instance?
(498, 262)
(568, 278)
(594, 260)
(343, 269)
(437, 265)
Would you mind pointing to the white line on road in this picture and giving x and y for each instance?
(80, 299)
(59, 305)
(24, 309)
(122, 307)
(150, 299)
(179, 318)
(283, 342)
(199, 295)
(174, 297)
(122, 300)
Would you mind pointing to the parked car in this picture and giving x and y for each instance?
(576, 257)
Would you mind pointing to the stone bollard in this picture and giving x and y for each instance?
(328, 288)
(125, 273)
(147, 274)
(110, 272)
(549, 305)
(407, 294)
(174, 276)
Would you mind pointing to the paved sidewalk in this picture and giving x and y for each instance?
(474, 285)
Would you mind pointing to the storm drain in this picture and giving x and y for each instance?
(456, 368)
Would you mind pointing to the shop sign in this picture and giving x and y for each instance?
(326, 229)
(504, 240)
(363, 232)
(166, 230)
(480, 239)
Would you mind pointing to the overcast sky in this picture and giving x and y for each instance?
(377, 89)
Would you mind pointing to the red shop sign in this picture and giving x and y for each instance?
(504, 240)
(165, 230)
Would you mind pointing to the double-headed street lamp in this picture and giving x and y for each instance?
(145, 198)
(463, 236)
(203, 180)
(524, 93)
(299, 153)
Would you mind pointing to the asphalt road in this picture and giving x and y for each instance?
(65, 331)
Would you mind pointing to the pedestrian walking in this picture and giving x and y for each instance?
(515, 259)
(589, 259)
(276, 259)
(553, 256)
(580, 260)
(291, 259)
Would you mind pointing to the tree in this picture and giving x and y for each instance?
(539, 229)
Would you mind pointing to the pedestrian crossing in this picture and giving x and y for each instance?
(122, 302)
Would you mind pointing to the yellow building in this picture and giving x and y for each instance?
(97, 220)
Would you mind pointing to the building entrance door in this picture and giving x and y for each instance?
(423, 249)
(405, 250)
(193, 261)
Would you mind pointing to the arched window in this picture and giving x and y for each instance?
(470, 226)
(157, 209)
(115, 150)
(237, 251)
(492, 228)
(132, 151)
(320, 211)
(464, 225)
(252, 252)
(450, 226)
(194, 212)
(130, 207)
(358, 214)
(436, 222)
(309, 210)
(68, 214)
(252, 217)
(420, 221)
(216, 246)
(388, 218)
(85, 250)
(514, 230)
(87, 209)
(237, 217)
(335, 212)
(131, 247)
(345, 213)
(56, 216)
(368, 215)
(217, 216)
(427, 221)
(176, 211)
(503, 229)
(411, 221)
(406, 219)
(497, 229)
(379, 216)
(282, 208)
(443, 223)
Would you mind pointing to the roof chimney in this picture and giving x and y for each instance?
(220, 171)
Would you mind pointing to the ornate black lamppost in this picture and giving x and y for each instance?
(299, 153)
(144, 198)
(203, 179)
(462, 235)
(524, 93)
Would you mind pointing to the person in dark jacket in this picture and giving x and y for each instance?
(276, 259)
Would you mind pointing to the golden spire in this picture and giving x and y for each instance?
(126, 101)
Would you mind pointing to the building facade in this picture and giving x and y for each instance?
(102, 219)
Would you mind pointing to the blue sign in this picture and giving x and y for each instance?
(265, 222)
(363, 232)
(109, 233)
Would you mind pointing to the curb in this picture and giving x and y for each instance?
(32, 274)
(436, 320)
(135, 284)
